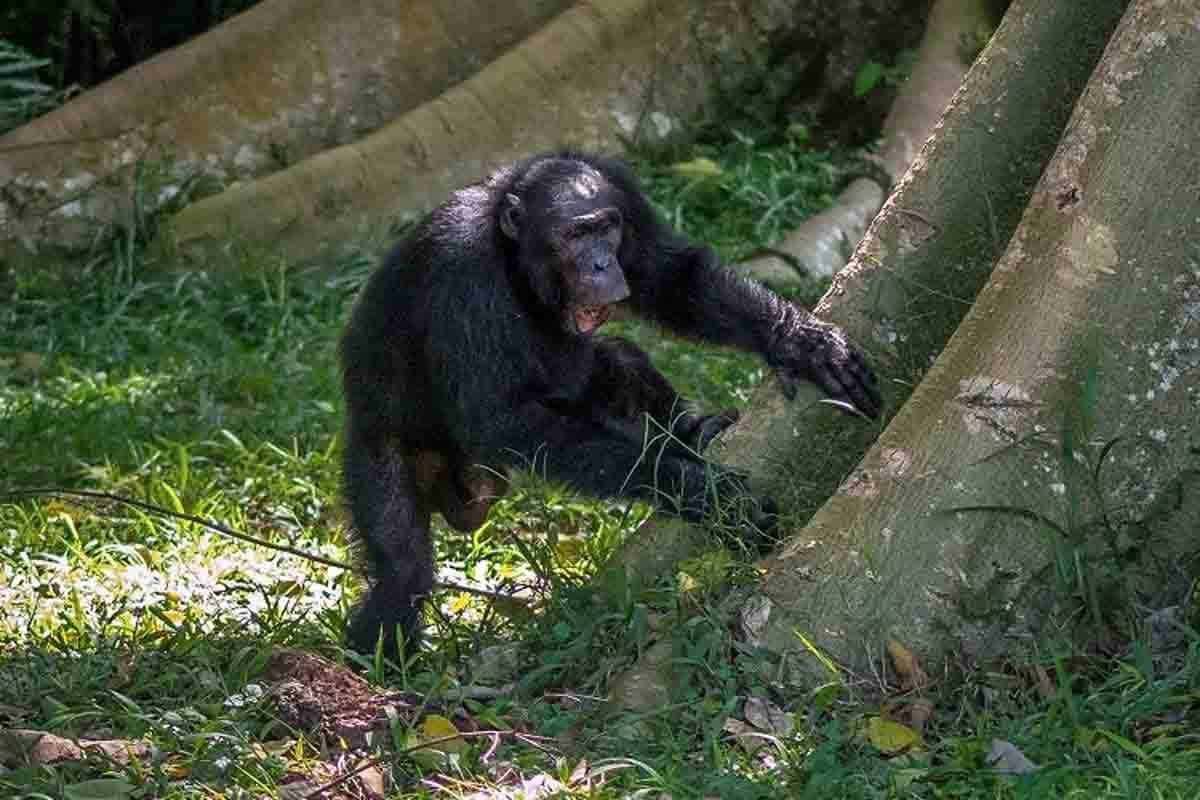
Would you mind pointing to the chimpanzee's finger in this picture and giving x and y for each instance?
(712, 426)
(845, 389)
(861, 394)
(866, 377)
(829, 381)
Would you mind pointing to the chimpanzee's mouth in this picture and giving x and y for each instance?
(588, 318)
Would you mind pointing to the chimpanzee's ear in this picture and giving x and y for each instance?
(512, 215)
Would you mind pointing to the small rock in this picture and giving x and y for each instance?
(40, 747)
(1004, 757)
(497, 664)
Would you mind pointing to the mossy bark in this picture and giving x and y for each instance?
(1088, 325)
(932, 248)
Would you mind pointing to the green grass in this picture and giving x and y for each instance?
(218, 395)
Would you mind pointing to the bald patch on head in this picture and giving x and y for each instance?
(586, 186)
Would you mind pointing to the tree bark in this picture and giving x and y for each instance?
(600, 75)
(1089, 328)
(292, 79)
(924, 258)
(269, 87)
(912, 279)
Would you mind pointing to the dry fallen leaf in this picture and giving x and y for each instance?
(371, 778)
(908, 668)
(434, 727)
(769, 717)
(748, 737)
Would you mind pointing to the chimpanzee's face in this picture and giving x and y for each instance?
(586, 243)
(576, 232)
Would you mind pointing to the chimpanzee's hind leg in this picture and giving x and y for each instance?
(391, 528)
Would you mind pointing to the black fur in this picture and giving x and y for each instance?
(462, 351)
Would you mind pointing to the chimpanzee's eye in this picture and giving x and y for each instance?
(583, 229)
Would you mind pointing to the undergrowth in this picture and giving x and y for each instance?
(217, 394)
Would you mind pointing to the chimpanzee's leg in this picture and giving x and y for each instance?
(609, 458)
(391, 528)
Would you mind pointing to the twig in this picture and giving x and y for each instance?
(166, 512)
(377, 760)
(159, 511)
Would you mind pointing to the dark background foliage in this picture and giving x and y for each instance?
(88, 41)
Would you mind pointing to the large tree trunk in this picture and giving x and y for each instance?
(599, 75)
(927, 254)
(911, 281)
(269, 87)
(1087, 334)
(273, 108)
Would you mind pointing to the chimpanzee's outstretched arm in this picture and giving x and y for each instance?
(689, 291)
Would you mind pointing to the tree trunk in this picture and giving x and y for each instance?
(1059, 424)
(269, 87)
(599, 75)
(924, 258)
(268, 92)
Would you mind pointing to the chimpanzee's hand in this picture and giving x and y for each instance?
(721, 496)
(808, 350)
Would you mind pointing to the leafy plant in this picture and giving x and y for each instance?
(873, 74)
(89, 41)
(22, 95)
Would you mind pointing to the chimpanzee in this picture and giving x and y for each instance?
(473, 349)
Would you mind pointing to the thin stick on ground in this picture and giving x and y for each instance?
(159, 511)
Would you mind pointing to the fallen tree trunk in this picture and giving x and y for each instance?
(1047, 435)
(269, 87)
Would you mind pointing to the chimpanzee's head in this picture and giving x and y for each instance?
(568, 229)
